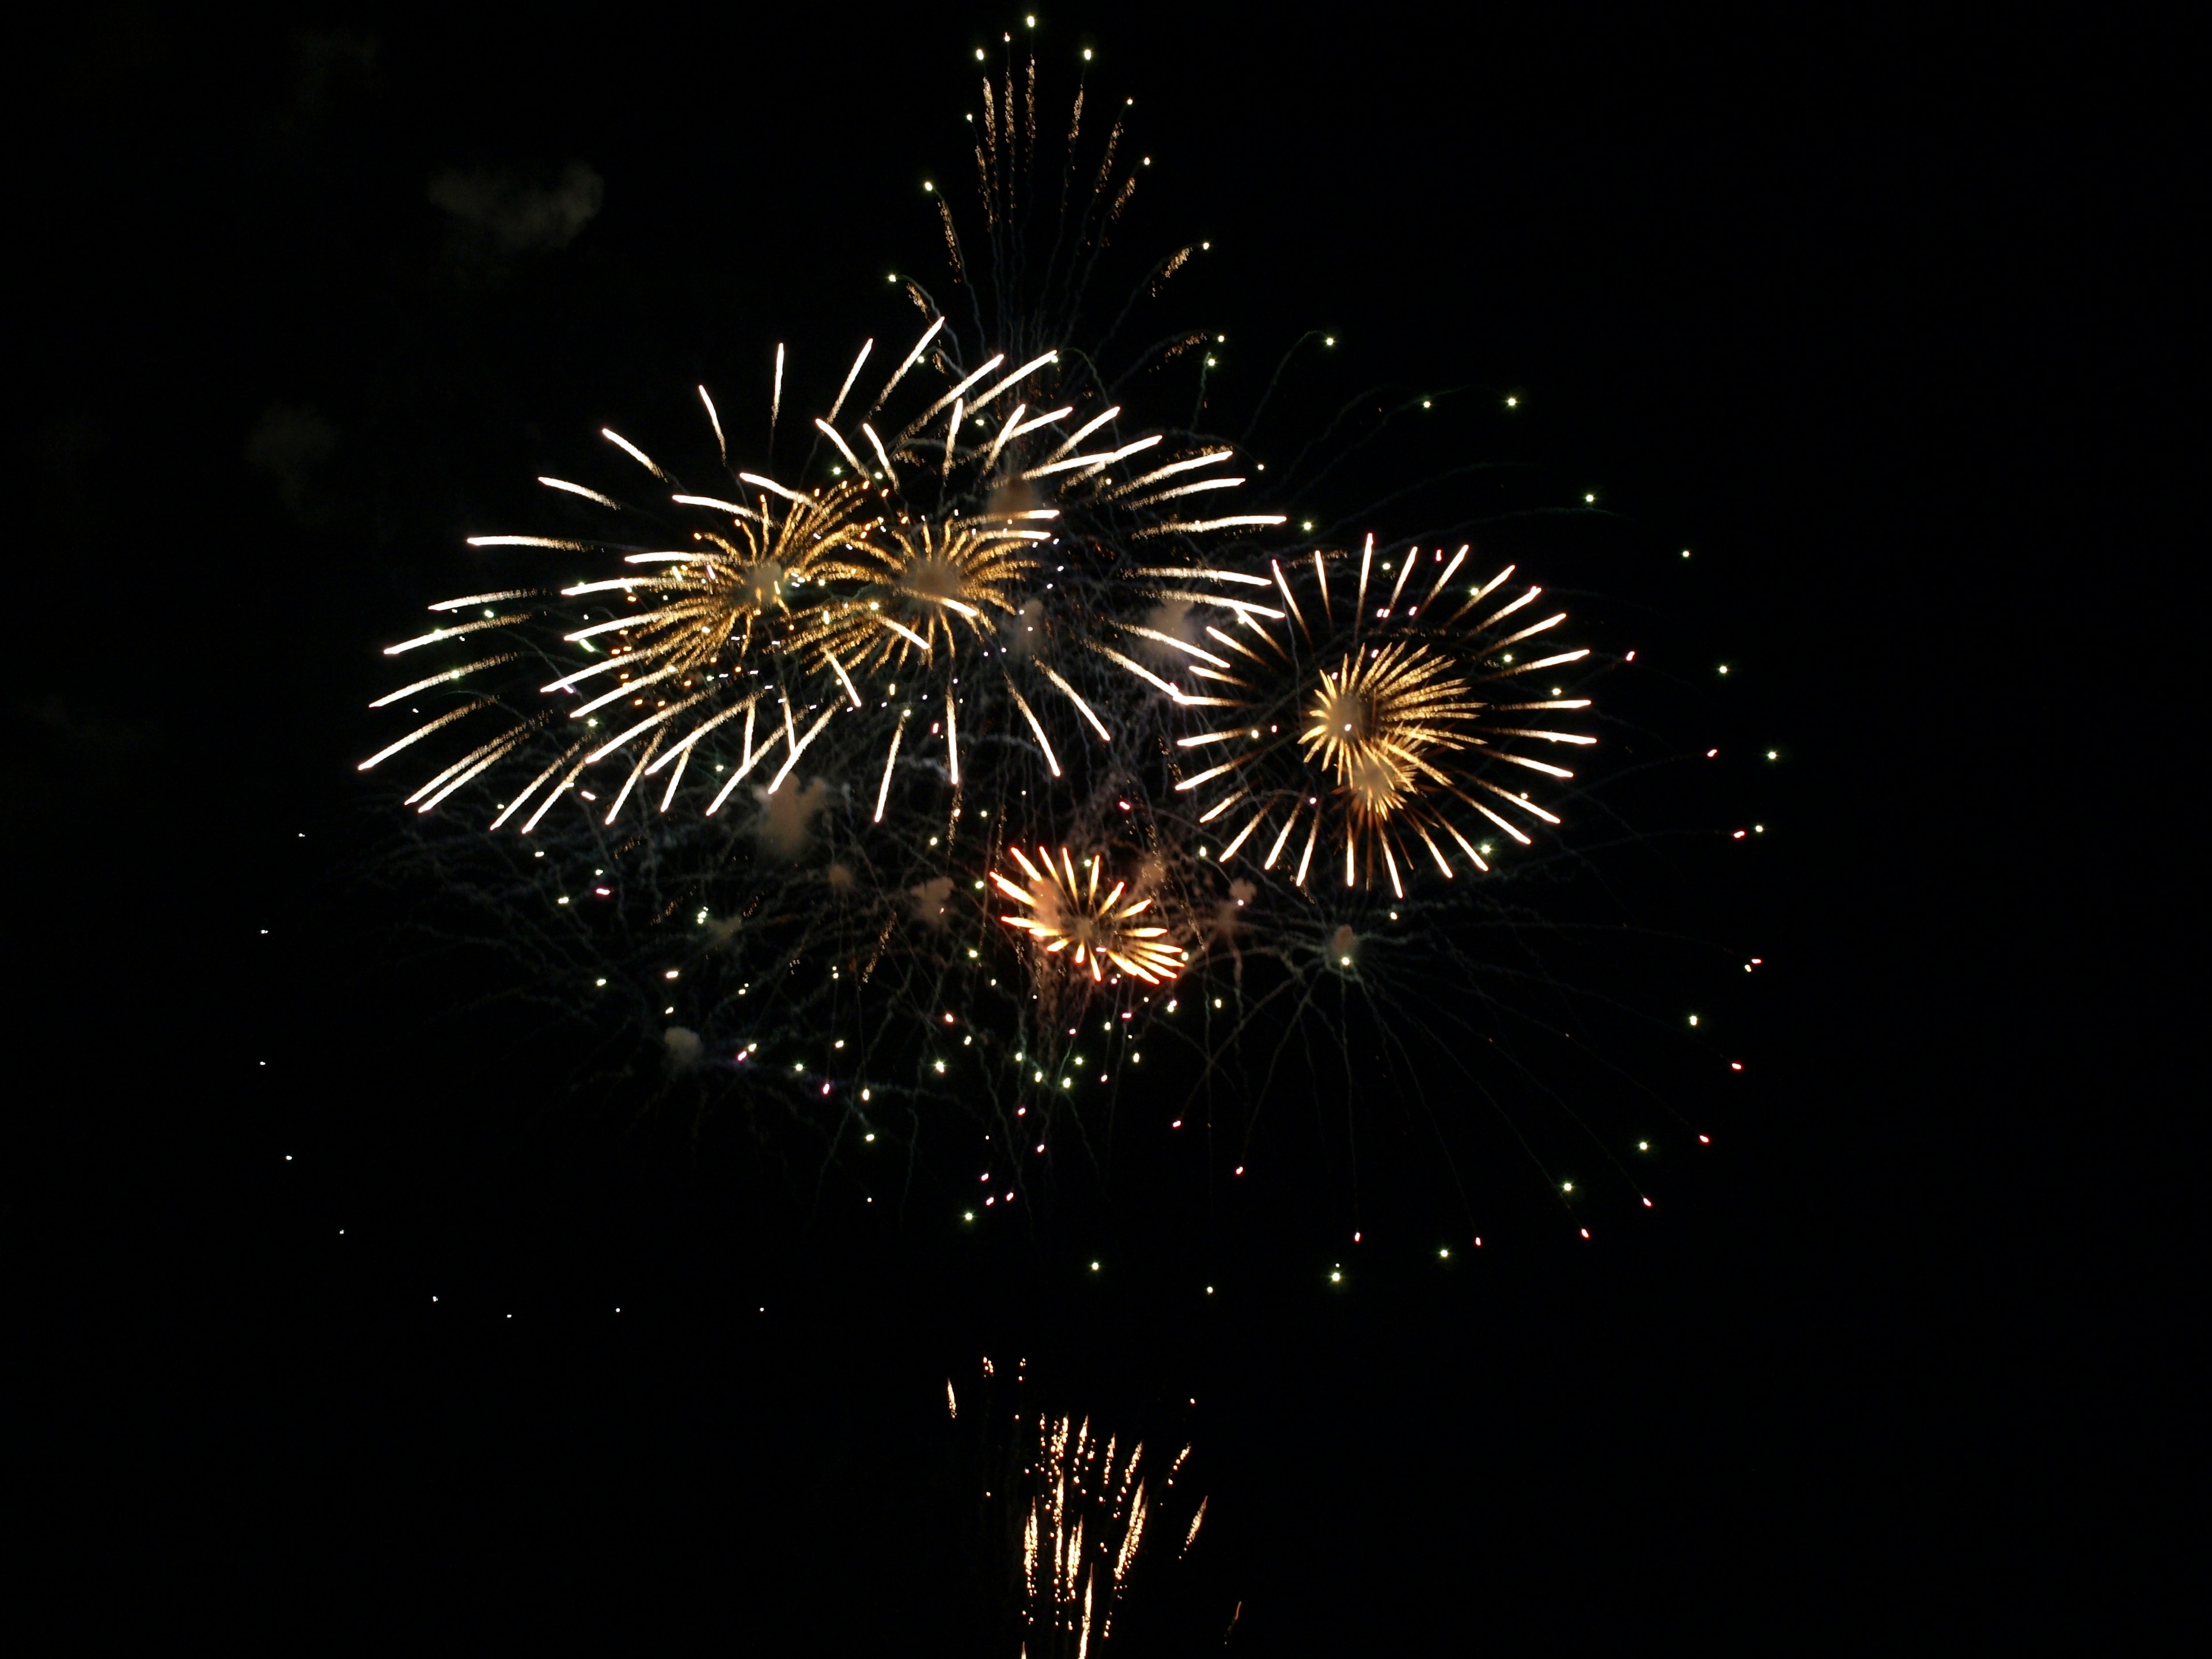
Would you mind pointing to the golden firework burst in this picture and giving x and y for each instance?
(716, 596)
(1375, 731)
(1068, 914)
(910, 589)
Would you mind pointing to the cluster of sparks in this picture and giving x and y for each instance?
(1086, 1506)
(1072, 730)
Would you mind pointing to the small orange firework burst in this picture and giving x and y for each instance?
(1067, 913)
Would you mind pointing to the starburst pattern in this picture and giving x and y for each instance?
(1100, 933)
(1376, 735)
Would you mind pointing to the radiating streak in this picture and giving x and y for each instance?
(1242, 607)
(454, 633)
(546, 805)
(1313, 831)
(952, 736)
(1405, 569)
(721, 445)
(1238, 646)
(843, 676)
(1391, 863)
(619, 692)
(951, 439)
(1000, 442)
(851, 375)
(772, 487)
(1144, 673)
(1189, 463)
(1226, 766)
(515, 805)
(705, 726)
(1511, 829)
(1093, 461)
(505, 741)
(912, 358)
(1502, 612)
(1222, 805)
(1282, 835)
(1043, 420)
(532, 541)
(959, 390)
(622, 584)
(776, 393)
(486, 598)
(635, 772)
(890, 760)
(1458, 559)
(1531, 667)
(567, 682)
(844, 449)
(1083, 707)
(616, 624)
(651, 720)
(1321, 574)
(1196, 1520)
(1549, 736)
(421, 732)
(682, 759)
(799, 748)
(1466, 846)
(738, 776)
(1197, 571)
(1288, 600)
(901, 627)
(1543, 767)
(1435, 851)
(634, 453)
(1084, 431)
(500, 748)
(440, 679)
(733, 507)
(1030, 714)
(579, 489)
(1020, 374)
(1515, 639)
(1202, 654)
(1202, 485)
(890, 476)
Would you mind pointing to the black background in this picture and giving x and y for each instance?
(1811, 297)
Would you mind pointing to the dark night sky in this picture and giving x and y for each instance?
(1784, 293)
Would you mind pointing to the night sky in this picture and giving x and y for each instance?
(1758, 291)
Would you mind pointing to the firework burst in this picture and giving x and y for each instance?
(1099, 933)
(1369, 734)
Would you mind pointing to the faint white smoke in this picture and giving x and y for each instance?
(683, 1048)
(930, 900)
(515, 214)
(784, 816)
